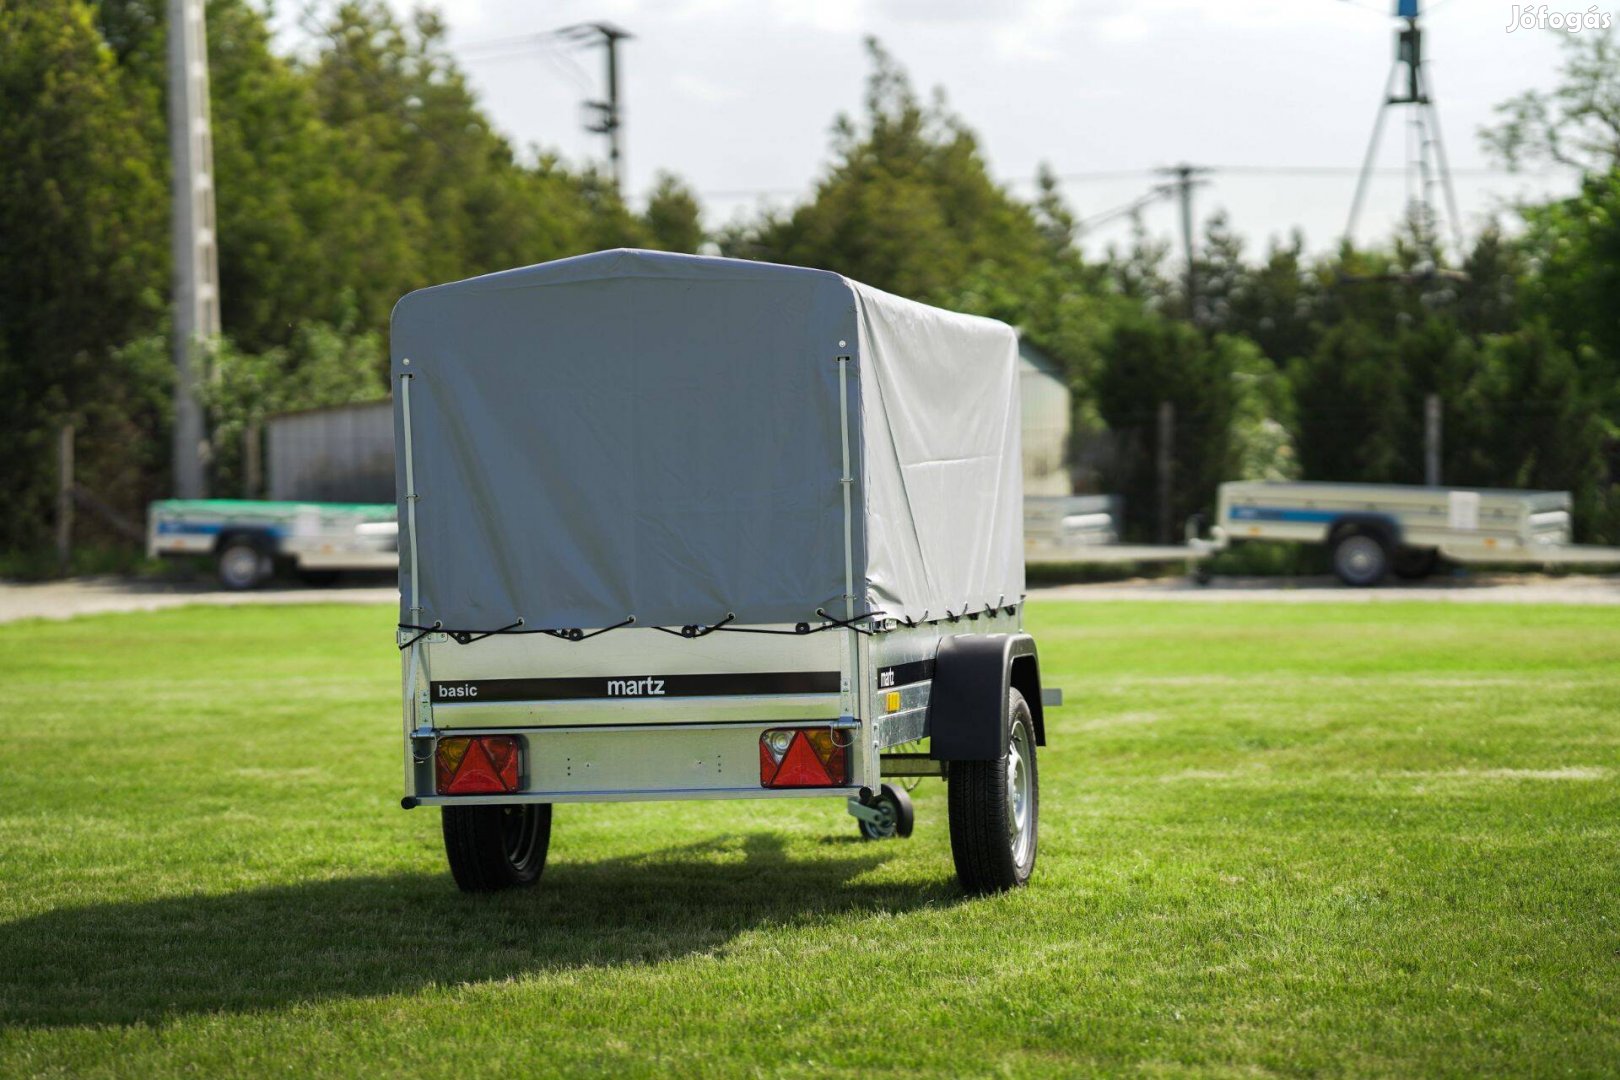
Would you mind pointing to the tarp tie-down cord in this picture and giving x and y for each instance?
(990, 611)
(467, 637)
(799, 629)
(689, 631)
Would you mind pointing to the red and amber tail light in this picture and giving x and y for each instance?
(802, 758)
(479, 764)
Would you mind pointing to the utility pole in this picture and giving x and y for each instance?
(1183, 179)
(196, 260)
(608, 116)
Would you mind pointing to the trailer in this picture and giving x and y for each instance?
(679, 528)
(1373, 530)
(1057, 526)
(248, 539)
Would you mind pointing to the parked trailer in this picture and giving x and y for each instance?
(246, 539)
(1375, 529)
(692, 528)
(1055, 526)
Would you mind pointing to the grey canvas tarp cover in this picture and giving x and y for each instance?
(639, 433)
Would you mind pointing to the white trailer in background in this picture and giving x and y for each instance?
(248, 538)
(1057, 528)
(1375, 529)
(330, 510)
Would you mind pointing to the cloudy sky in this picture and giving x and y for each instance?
(737, 96)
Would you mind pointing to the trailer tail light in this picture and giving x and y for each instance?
(802, 757)
(478, 765)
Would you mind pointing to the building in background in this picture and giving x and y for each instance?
(1047, 416)
(343, 453)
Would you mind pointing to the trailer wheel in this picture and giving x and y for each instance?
(241, 564)
(1360, 558)
(1414, 564)
(898, 817)
(496, 847)
(995, 809)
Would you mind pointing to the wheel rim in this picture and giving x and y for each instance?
(1360, 558)
(520, 829)
(882, 830)
(1020, 796)
(239, 565)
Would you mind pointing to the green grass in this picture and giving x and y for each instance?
(1323, 840)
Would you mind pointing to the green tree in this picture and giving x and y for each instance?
(908, 206)
(1147, 359)
(83, 257)
(1575, 124)
(1523, 420)
(674, 217)
(1575, 244)
(1351, 394)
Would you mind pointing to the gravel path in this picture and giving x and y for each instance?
(90, 596)
(94, 595)
(1462, 589)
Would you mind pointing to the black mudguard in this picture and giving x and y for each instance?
(967, 707)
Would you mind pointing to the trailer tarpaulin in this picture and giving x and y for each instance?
(656, 435)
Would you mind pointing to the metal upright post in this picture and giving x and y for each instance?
(1166, 466)
(1431, 440)
(196, 264)
(64, 498)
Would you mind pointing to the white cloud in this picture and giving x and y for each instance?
(1034, 31)
(703, 89)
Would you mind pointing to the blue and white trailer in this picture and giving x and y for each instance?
(247, 539)
(1405, 529)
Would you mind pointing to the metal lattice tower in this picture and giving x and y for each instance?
(1408, 87)
(196, 257)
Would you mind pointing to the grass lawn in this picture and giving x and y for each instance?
(1371, 839)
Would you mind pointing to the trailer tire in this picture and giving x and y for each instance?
(496, 847)
(994, 809)
(1360, 557)
(1415, 563)
(241, 563)
(898, 816)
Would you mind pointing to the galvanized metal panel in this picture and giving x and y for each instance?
(340, 454)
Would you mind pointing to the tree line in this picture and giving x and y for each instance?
(360, 166)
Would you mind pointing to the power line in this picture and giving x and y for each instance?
(1095, 221)
(607, 115)
(1104, 175)
(512, 41)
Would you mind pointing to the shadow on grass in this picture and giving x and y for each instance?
(144, 962)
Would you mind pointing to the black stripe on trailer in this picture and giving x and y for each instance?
(579, 688)
(897, 675)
